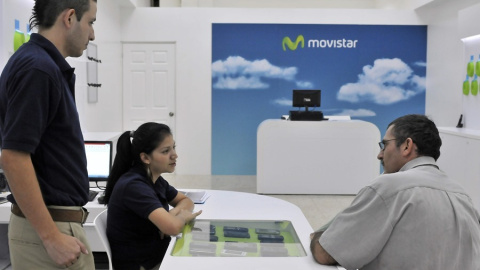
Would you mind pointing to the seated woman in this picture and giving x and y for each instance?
(139, 222)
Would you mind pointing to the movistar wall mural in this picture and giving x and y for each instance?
(373, 73)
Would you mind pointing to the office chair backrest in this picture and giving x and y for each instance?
(101, 227)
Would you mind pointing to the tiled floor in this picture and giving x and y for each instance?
(318, 209)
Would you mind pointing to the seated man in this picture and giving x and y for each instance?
(411, 217)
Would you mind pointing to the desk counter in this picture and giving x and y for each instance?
(316, 157)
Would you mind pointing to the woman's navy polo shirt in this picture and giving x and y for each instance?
(134, 240)
(38, 115)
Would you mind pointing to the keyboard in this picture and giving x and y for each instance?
(91, 195)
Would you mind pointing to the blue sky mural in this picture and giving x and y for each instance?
(373, 73)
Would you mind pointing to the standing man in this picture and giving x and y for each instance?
(411, 217)
(43, 154)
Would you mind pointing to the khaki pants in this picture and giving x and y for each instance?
(27, 251)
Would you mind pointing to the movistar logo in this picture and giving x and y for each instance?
(291, 45)
(342, 43)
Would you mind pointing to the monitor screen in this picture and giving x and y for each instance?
(99, 159)
(306, 98)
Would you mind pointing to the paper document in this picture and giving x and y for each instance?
(198, 197)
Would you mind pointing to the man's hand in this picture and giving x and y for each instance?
(23, 183)
(64, 249)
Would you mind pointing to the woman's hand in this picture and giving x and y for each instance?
(174, 211)
(171, 224)
(186, 215)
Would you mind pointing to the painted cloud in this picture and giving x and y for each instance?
(357, 113)
(236, 72)
(386, 82)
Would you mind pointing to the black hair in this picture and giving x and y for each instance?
(145, 139)
(421, 130)
(46, 12)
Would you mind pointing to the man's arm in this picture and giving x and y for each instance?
(320, 255)
(23, 183)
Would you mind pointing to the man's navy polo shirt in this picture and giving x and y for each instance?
(38, 115)
(133, 238)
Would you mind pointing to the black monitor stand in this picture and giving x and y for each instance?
(306, 115)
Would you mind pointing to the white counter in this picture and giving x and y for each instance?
(316, 157)
(460, 159)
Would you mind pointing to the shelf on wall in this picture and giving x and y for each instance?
(462, 132)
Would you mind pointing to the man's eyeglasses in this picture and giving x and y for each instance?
(382, 144)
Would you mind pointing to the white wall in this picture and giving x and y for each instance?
(2, 38)
(271, 3)
(445, 68)
(106, 114)
(190, 29)
(108, 35)
(9, 11)
(470, 33)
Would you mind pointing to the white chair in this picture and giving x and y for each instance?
(101, 227)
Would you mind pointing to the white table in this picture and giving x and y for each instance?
(316, 157)
(229, 205)
(224, 205)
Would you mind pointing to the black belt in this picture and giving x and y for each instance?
(60, 215)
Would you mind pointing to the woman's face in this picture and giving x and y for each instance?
(163, 159)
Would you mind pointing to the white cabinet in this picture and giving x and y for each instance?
(460, 159)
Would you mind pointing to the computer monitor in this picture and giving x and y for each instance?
(306, 98)
(99, 159)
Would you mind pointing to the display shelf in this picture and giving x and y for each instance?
(210, 238)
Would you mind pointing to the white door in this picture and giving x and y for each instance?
(148, 84)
